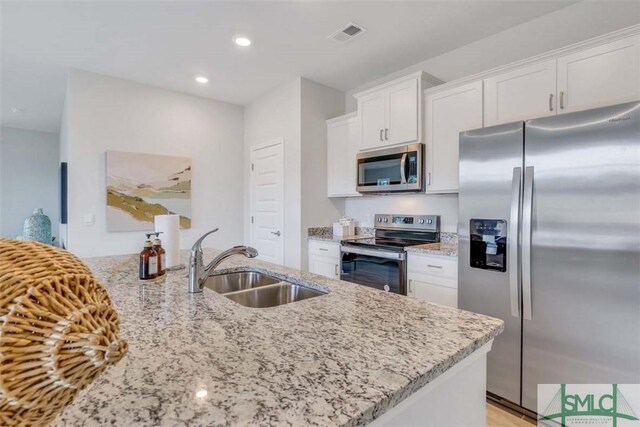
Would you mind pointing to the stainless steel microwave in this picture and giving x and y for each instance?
(391, 170)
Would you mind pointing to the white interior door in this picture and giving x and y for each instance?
(267, 201)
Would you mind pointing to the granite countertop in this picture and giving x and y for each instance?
(448, 245)
(201, 359)
(442, 249)
(325, 234)
(336, 239)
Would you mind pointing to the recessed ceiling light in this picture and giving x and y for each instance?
(202, 79)
(242, 41)
(16, 110)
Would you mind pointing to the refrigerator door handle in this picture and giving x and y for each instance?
(527, 214)
(513, 242)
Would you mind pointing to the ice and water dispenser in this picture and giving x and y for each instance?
(488, 244)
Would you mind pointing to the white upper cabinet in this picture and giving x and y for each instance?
(521, 94)
(402, 113)
(588, 77)
(342, 146)
(449, 112)
(391, 113)
(372, 110)
(603, 75)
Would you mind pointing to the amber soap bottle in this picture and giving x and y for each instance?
(148, 261)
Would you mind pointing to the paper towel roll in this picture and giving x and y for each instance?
(169, 226)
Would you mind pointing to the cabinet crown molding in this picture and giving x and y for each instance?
(554, 54)
(348, 116)
(415, 75)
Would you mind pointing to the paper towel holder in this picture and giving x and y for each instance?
(171, 242)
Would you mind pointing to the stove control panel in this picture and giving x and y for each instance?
(408, 222)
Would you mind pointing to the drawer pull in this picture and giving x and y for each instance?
(434, 266)
(324, 249)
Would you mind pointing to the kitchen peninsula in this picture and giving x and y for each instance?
(353, 356)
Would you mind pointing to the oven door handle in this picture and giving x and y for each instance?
(399, 256)
(403, 167)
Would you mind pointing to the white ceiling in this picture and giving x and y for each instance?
(166, 44)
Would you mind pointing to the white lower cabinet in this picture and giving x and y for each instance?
(324, 259)
(433, 278)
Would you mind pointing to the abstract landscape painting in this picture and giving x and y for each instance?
(141, 186)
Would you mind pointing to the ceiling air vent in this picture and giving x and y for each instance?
(348, 32)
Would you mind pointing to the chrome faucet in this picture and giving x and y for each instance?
(198, 273)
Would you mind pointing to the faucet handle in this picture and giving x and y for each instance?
(197, 246)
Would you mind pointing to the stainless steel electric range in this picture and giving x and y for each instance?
(381, 261)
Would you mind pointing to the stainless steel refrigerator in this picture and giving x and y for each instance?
(549, 241)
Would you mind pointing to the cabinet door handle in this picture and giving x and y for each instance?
(550, 102)
(410, 290)
(381, 139)
(562, 100)
(386, 134)
(276, 233)
(434, 266)
(336, 270)
(429, 178)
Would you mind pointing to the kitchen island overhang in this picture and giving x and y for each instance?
(349, 357)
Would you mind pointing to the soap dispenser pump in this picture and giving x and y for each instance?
(148, 261)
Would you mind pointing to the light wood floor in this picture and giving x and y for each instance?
(499, 416)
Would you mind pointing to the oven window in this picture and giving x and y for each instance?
(380, 171)
(371, 271)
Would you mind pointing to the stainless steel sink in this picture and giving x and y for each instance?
(232, 282)
(258, 290)
(273, 295)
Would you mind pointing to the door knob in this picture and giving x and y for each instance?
(277, 233)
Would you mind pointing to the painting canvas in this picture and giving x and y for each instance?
(141, 186)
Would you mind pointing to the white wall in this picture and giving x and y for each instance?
(105, 113)
(277, 115)
(573, 24)
(364, 208)
(319, 103)
(29, 178)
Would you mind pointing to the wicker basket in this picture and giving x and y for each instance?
(58, 331)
